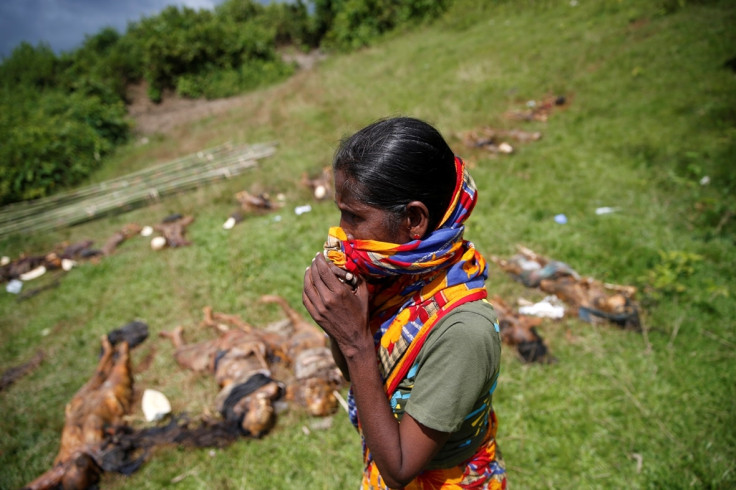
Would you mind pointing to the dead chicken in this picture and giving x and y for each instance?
(316, 376)
(520, 331)
(321, 185)
(587, 298)
(93, 416)
(238, 359)
(250, 203)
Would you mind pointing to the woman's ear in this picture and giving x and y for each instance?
(417, 220)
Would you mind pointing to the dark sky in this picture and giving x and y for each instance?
(64, 23)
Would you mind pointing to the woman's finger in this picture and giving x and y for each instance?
(323, 275)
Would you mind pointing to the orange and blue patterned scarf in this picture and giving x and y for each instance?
(430, 277)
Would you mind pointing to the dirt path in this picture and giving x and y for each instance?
(174, 111)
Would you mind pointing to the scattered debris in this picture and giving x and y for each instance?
(496, 140)
(238, 361)
(133, 333)
(155, 405)
(321, 185)
(14, 286)
(33, 273)
(540, 110)
(639, 461)
(518, 330)
(299, 210)
(64, 257)
(13, 374)
(250, 204)
(91, 417)
(549, 307)
(158, 243)
(119, 237)
(173, 228)
(587, 298)
(29, 293)
(316, 377)
(255, 368)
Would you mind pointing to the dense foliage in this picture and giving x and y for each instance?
(61, 114)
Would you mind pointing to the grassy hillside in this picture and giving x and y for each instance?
(649, 114)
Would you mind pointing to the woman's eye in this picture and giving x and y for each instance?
(349, 217)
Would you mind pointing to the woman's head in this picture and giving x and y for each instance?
(392, 165)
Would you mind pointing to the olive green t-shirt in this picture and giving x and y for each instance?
(450, 386)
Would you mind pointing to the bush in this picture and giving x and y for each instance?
(54, 140)
(182, 48)
(29, 67)
(356, 23)
(218, 83)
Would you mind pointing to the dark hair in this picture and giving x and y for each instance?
(395, 161)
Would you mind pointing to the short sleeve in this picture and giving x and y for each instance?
(455, 368)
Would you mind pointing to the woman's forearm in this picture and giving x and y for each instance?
(378, 424)
(339, 359)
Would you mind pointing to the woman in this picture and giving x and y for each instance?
(401, 296)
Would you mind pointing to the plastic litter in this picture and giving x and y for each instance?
(14, 286)
(549, 307)
(528, 265)
(705, 180)
(561, 219)
(299, 210)
(605, 210)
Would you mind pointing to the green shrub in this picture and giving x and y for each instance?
(216, 83)
(183, 48)
(669, 275)
(106, 61)
(356, 23)
(54, 140)
(30, 67)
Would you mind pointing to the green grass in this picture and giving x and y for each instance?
(651, 113)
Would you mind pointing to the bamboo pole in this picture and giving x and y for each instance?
(183, 164)
(133, 189)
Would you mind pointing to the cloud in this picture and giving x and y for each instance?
(63, 24)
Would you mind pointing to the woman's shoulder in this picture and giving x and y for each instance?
(470, 322)
(480, 313)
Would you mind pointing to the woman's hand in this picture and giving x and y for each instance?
(338, 306)
(400, 451)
